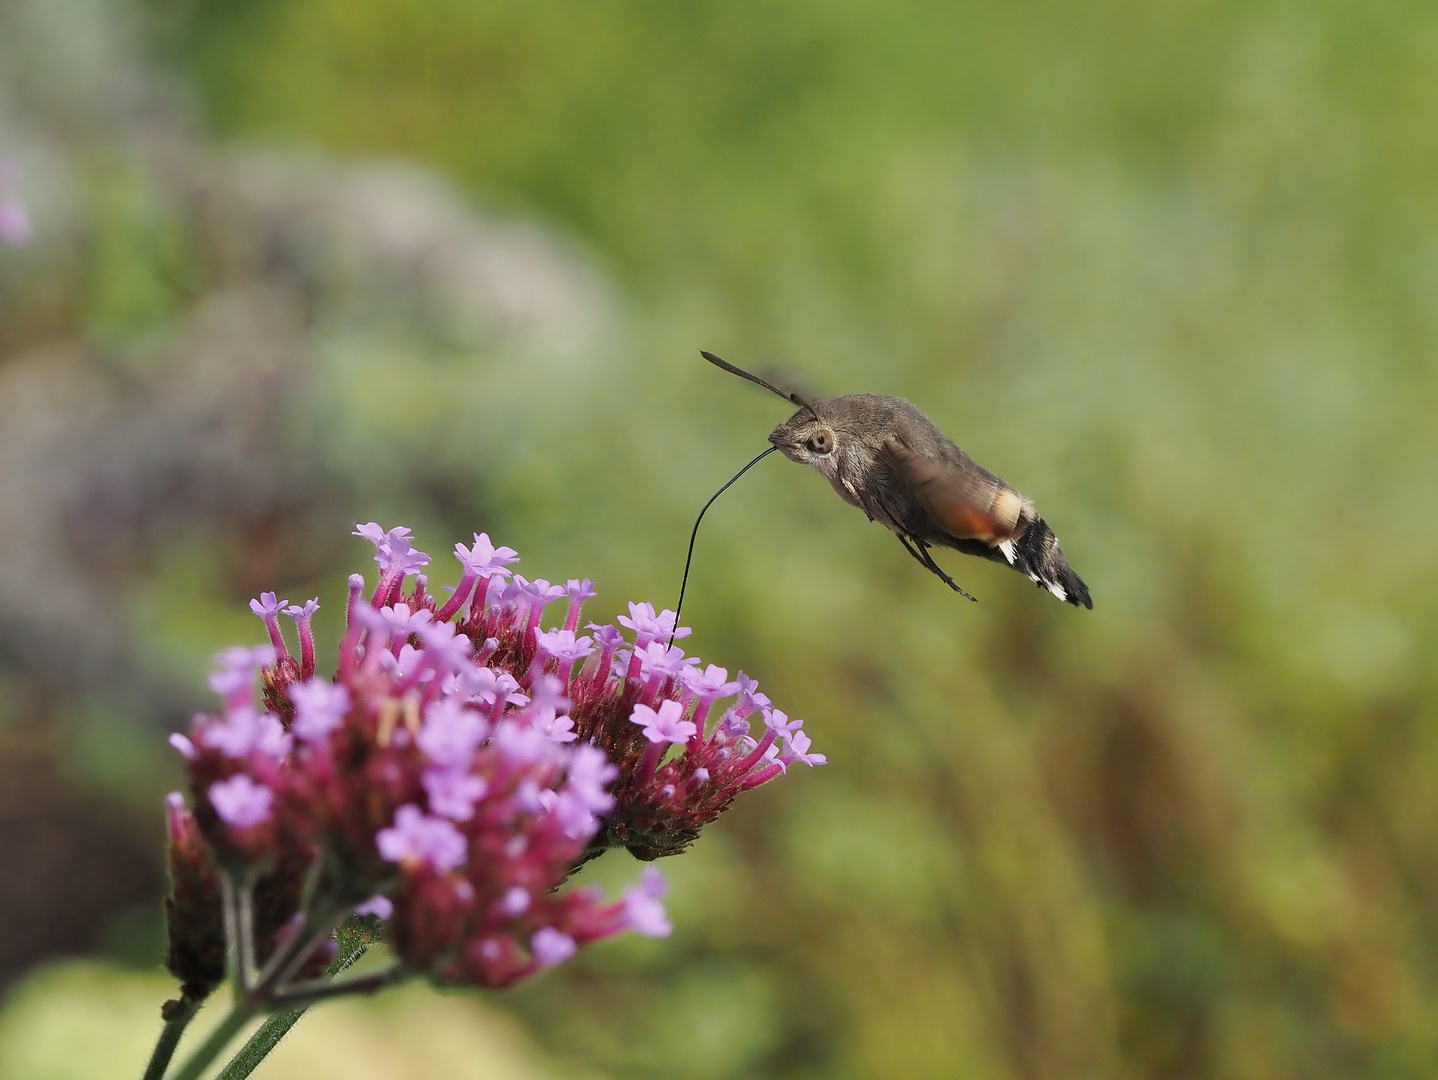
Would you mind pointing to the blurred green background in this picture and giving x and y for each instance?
(1171, 269)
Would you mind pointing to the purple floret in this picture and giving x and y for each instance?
(267, 606)
(664, 725)
(590, 773)
(551, 946)
(779, 722)
(240, 801)
(798, 750)
(515, 902)
(563, 645)
(393, 548)
(235, 735)
(648, 626)
(320, 707)
(606, 636)
(657, 660)
(418, 838)
(236, 668)
(709, 684)
(451, 733)
(453, 792)
(574, 817)
(484, 559)
(445, 650)
(380, 906)
(642, 908)
(303, 613)
(400, 622)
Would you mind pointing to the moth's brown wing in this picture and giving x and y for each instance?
(959, 499)
(961, 505)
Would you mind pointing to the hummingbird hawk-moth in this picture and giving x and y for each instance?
(884, 456)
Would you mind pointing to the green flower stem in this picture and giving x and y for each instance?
(259, 998)
(235, 954)
(178, 1014)
(354, 939)
(260, 1044)
(290, 957)
(239, 1015)
(305, 995)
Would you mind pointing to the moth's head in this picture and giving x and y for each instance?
(810, 437)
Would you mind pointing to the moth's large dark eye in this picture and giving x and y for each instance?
(821, 442)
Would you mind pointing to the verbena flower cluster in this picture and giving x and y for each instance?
(460, 764)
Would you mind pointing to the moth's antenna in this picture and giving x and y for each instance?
(791, 396)
(695, 534)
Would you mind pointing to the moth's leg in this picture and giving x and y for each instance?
(922, 554)
(859, 498)
(910, 549)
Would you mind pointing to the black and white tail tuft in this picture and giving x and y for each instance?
(1036, 552)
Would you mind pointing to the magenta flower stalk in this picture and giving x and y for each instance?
(579, 591)
(480, 562)
(461, 763)
(302, 616)
(268, 608)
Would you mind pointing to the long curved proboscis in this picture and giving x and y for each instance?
(790, 397)
(683, 585)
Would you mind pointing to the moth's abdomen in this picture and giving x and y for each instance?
(1036, 552)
